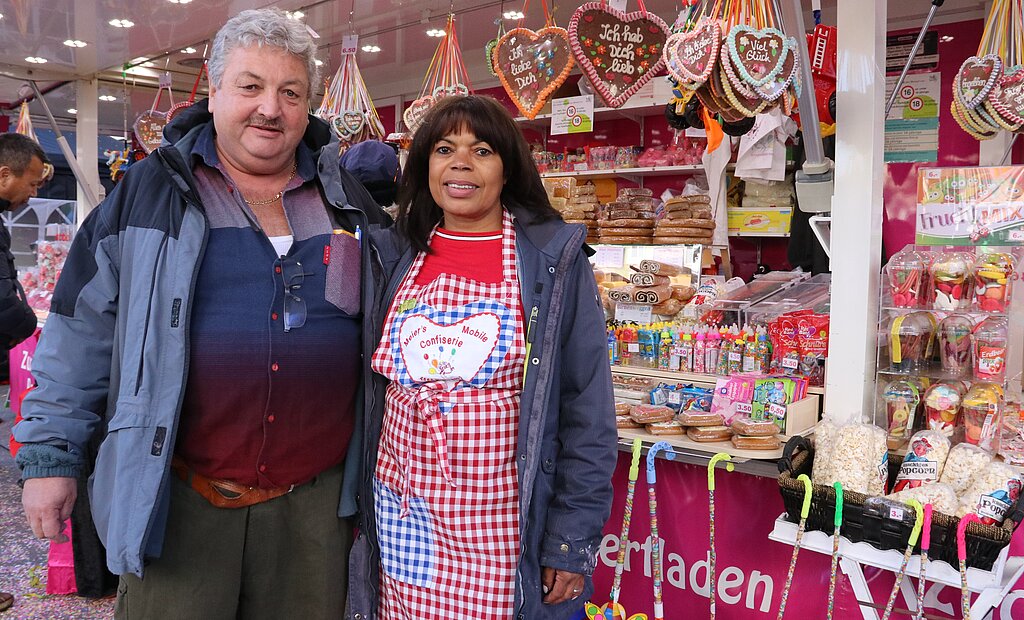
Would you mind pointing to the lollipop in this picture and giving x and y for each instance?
(992, 276)
(954, 335)
(949, 282)
(942, 407)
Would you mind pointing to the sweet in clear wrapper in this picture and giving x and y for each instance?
(906, 274)
(982, 406)
(901, 400)
(950, 276)
(990, 342)
(954, 334)
(910, 338)
(993, 275)
(994, 491)
(942, 407)
(924, 462)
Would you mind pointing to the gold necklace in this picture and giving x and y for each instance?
(276, 197)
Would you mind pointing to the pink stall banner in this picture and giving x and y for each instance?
(750, 568)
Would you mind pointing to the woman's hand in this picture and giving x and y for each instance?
(560, 586)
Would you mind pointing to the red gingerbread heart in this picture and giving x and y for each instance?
(690, 56)
(1008, 97)
(149, 129)
(619, 52)
(532, 65)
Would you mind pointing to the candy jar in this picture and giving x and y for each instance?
(954, 335)
(949, 274)
(901, 399)
(990, 341)
(906, 273)
(981, 408)
(993, 274)
(942, 407)
(909, 342)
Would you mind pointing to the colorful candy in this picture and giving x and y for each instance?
(901, 399)
(990, 341)
(950, 275)
(910, 338)
(981, 408)
(993, 274)
(954, 336)
(942, 407)
(906, 271)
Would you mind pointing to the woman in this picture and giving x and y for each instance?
(491, 468)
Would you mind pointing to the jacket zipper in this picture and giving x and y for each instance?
(149, 313)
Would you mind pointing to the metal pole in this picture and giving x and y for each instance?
(814, 151)
(913, 52)
(66, 150)
(1009, 150)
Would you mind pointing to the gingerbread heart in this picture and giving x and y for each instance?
(690, 56)
(354, 121)
(741, 96)
(619, 52)
(489, 56)
(1008, 96)
(417, 111)
(757, 55)
(976, 78)
(441, 92)
(149, 129)
(775, 87)
(532, 65)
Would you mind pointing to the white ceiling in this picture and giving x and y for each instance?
(162, 29)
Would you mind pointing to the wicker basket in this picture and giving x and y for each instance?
(868, 520)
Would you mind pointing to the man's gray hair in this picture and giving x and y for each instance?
(259, 27)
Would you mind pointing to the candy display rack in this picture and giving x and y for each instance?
(912, 312)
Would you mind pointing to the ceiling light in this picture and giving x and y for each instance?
(318, 62)
(946, 38)
(189, 50)
(121, 138)
(295, 14)
(435, 32)
(108, 98)
(371, 48)
(74, 43)
(513, 15)
(121, 23)
(179, 1)
(72, 111)
(36, 60)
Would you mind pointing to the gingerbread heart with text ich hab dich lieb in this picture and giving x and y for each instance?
(976, 78)
(149, 129)
(1008, 97)
(619, 52)
(757, 56)
(691, 56)
(416, 112)
(532, 65)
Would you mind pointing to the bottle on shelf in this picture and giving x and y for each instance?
(686, 361)
(700, 351)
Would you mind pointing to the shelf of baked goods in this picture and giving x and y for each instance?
(630, 174)
(684, 377)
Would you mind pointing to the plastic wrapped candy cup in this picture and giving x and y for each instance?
(949, 276)
(993, 275)
(906, 275)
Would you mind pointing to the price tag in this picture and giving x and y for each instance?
(165, 80)
(633, 347)
(349, 43)
(744, 408)
(675, 398)
(790, 363)
(618, 5)
(735, 357)
(777, 410)
(1016, 236)
(896, 513)
(638, 313)
(611, 256)
(670, 255)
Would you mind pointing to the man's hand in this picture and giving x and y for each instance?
(48, 503)
(560, 586)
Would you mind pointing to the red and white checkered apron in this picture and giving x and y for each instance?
(446, 491)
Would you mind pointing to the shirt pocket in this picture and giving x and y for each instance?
(342, 287)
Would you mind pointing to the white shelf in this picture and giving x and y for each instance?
(659, 171)
(632, 112)
(759, 234)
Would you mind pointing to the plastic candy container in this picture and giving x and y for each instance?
(981, 409)
(990, 342)
(950, 282)
(909, 342)
(901, 398)
(993, 274)
(942, 407)
(906, 273)
(954, 334)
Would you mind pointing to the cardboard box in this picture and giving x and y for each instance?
(760, 221)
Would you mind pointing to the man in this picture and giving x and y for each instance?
(375, 164)
(22, 163)
(208, 323)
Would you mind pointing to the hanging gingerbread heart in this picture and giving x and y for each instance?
(757, 56)
(441, 92)
(1008, 97)
(149, 129)
(417, 111)
(690, 56)
(976, 78)
(489, 56)
(742, 97)
(354, 121)
(532, 65)
(776, 86)
(619, 52)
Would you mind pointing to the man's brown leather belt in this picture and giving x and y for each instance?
(224, 493)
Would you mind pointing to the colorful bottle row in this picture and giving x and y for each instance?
(951, 280)
(701, 349)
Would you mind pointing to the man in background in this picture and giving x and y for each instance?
(375, 164)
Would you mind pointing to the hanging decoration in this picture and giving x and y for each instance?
(24, 127)
(489, 47)
(446, 76)
(532, 65)
(347, 106)
(149, 126)
(619, 52)
(988, 90)
(178, 108)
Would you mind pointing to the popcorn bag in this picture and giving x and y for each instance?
(992, 494)
(925, 459)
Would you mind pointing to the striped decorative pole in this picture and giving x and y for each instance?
(659, 609)
(804, 510)
(961, 554)
(914, 533)
(721, 456)
(926, 541)
(613, 610)
(835, 548)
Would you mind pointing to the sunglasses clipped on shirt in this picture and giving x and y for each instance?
(294, 306)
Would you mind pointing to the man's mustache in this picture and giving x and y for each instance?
(265, 123)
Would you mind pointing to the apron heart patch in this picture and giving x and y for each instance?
(976, 78)
(149, 129)
(435, 351)
(532, 65)
(691, 56)
(757, 55)
(619, 52)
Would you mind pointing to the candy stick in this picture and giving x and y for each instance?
(634, 472)
(804, 510)
(721, 456)
(914, 533)
(926, 540)
(659, 611)
(961, 554)
(835, 548)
